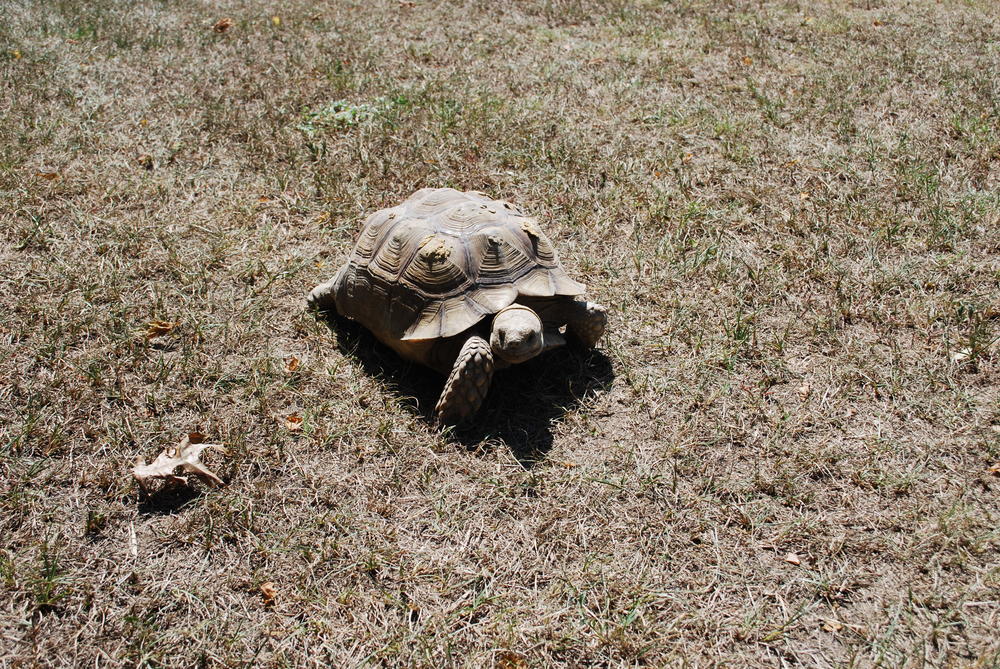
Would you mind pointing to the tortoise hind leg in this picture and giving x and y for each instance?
(468, 383)
(321, 298)
(586, 322)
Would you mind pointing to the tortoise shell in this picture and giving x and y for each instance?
(442, 261)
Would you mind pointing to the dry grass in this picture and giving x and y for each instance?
(791, 209)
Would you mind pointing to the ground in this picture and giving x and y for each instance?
(784, 452)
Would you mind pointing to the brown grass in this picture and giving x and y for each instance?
(791, 209)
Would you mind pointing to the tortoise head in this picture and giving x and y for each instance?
(517, 334)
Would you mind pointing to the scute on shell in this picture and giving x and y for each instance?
(443, 260)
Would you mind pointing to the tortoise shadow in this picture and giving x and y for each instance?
(524, 401)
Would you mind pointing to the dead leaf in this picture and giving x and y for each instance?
(222, 25)
(803, 196)
(508, 659)
(269, 593)
(145, 161)
(159, 328)
(47, 175)
(804, 391)
(792, 558)
(176, 463)
(995, 469)
(291, 363)
(293, 422)
(747, 60)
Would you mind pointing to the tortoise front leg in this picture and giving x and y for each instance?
(468, 383)
(586, 322)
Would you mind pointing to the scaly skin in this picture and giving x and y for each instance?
(587, 322)
(321, 297)
(468, 383)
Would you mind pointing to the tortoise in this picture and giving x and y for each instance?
(463, 284)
